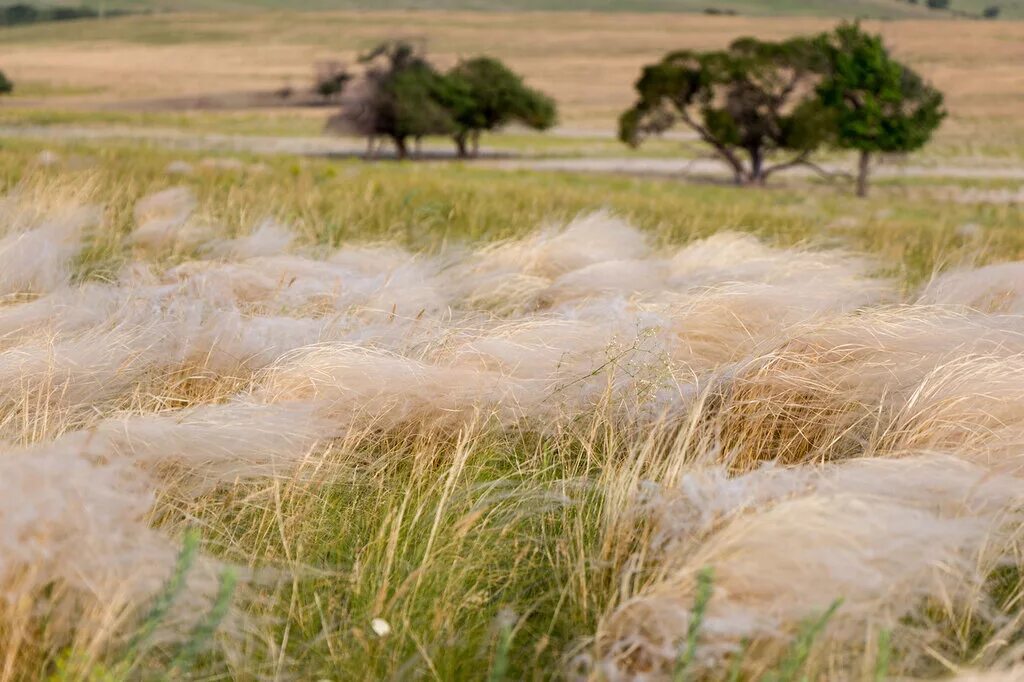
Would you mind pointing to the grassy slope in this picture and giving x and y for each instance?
(891, 9)
(977, 64)
(847, 8)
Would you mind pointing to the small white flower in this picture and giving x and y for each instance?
(381, 627)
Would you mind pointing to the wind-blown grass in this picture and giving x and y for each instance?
(557, 450)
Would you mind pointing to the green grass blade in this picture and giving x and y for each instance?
(884, 656)
(736, 667)
(172, 589)
(705, 580)
(204, 631)
(499, 668)
(800, 649)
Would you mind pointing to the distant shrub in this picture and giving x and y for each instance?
(991, 12)
(6, 86)
(71, 13)
(24, 13)
(938, 4)
(330, 78)
(716, 11)
(21, 13)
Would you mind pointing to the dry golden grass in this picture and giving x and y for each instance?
(519, 448)
(588, 60)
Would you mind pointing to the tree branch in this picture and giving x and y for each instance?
(803, 159)
(705, 135)
(798, 160)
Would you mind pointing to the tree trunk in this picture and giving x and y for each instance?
(419, 146)
(476, 143)
(863, 169)
(756, 167)
(401, 149)
(460, 145)
(370, 151)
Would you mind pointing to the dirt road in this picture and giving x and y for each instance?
(349, 147)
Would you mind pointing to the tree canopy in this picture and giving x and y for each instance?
(876, 104)
(402, 95)
(489, 95)
(758, 100)
(747, 101)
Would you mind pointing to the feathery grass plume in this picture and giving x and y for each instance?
(39, 242)
(800, 649)
(163, 220)
(269, 238)
(78, 545)
(576, 423)
(991, 288)
(836, 388)
(1013, 674)
(883, 535)
(165, 598)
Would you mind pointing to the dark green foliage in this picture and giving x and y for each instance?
(403, 96)
(6, 86)
(486, 95)
(876, 103)
(21, 13)
(24, 13)
(750, 100)
(330, 79)
(938, 4)
(991, 12)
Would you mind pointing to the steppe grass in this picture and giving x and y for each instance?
(912, 229)
(488, 554)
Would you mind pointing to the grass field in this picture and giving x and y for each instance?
(280, 416)
(589, 61)
(433, 442)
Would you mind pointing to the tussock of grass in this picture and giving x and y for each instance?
(579, 449)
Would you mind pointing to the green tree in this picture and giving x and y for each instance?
(6, 86)
(876, 103)
(402, 96)
(747, 102)
(486, 95)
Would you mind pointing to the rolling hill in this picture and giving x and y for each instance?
(888, 9)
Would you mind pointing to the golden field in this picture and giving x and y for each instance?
(280, 415)
(587, 60)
